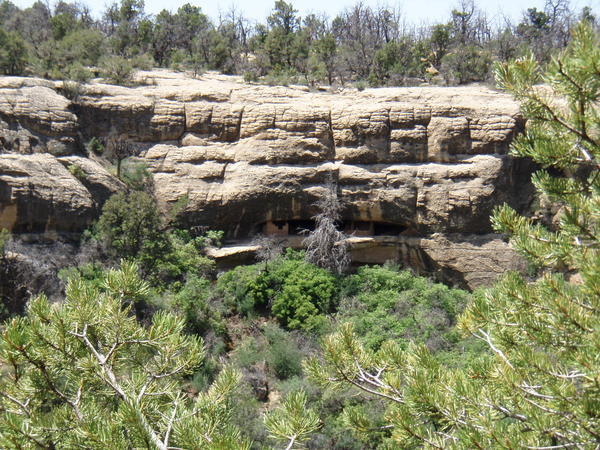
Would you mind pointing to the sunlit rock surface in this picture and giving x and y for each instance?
(419, 170)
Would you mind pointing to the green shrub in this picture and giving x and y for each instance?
(284, 357)
(130, 226)
(213, 238)
(251, 76)
(135, 175)
(92, 273)
(77, 171)
(466, 64)
(95, 146)
(233, 287)
(181, 258)
(78, 73)
(283, 78)
(191, 302)
(384, 303)
(13, 53)
(116, 70)
(179, 60)
(305, 292)
(82, 47)
(297, 293)
(143, 62)
(248, 353)
(361, 85)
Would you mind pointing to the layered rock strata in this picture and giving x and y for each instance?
(419, 170)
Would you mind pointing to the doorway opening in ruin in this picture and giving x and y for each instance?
(387, 229)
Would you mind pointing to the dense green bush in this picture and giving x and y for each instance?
(76, 72)
(233, 287)
(297, 293)
(84, 47)
(396, 61)
(384, 303)
(192, 303)
(300, 293)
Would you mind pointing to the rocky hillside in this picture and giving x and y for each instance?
(419, 169)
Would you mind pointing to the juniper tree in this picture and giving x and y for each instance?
(84, 373)
(539, 386)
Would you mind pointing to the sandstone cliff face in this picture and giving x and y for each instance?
(419, 169)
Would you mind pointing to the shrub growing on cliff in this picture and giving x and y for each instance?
(539, 388)
(117, 70)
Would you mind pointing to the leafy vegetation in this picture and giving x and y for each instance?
(384, 303)
(361, 44)
(260, 321)
(295, 292)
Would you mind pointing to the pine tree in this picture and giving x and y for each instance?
(292, 422)
(539, 386)
(85, 374)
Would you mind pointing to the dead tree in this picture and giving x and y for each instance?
(269, 248)
(327, 246)
(118, 149)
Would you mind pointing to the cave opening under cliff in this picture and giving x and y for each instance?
(351, 227)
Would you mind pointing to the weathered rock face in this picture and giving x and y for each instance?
(423, 167)
(34, 118)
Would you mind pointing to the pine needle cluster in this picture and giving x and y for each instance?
(86, 374)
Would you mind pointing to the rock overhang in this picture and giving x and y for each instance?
(426, 160)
